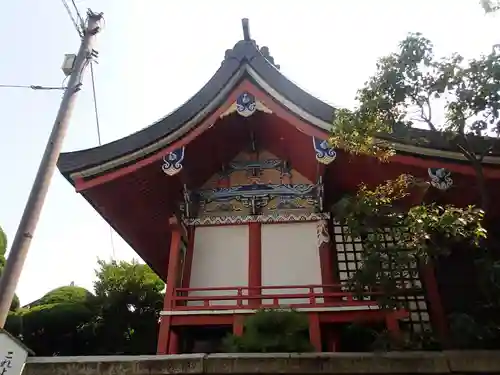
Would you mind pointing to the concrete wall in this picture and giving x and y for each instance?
(477, 362)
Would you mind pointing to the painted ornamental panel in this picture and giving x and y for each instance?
(253, 184)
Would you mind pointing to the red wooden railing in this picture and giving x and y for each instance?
(292, 296)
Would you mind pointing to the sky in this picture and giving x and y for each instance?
(156, 54)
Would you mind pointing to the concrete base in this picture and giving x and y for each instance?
(462, 362)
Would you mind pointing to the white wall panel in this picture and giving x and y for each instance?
(220, 259)
(290, 256)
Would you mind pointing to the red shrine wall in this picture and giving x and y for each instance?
(260, 224)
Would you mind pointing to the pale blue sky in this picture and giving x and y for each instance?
(153, 56)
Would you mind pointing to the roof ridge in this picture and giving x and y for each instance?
(247, 49)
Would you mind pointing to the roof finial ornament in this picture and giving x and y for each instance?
(246, 29)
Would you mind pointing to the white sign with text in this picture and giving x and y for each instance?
(12, 355)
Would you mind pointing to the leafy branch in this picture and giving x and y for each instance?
(395, 241)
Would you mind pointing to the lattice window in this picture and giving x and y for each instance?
(349, 260)
(419, 319)
(349, 252)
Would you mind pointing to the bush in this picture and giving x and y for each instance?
(272, 331)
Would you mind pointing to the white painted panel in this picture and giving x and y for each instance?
(290, 256)
(220, 259)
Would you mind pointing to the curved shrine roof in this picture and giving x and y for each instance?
(244, 60)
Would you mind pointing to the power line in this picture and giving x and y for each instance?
(98, 128)
(95, 104)
(78, 14)
(75, 24)
(79, 30)
(33, 87)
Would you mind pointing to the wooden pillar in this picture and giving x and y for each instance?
(188, 262)
(435, 306)
(173, 263)
(254, 262)
(172, 273)
(173, 343)
(238, 325)
(315, 332)
(325, 254)
(326, 257)
(332, 340)
(392, 325)
(163, 335)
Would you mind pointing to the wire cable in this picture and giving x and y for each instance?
(75, 24)
(80, 31)
(98, 128)
(95, 104)
(78, 15)
(33, 87)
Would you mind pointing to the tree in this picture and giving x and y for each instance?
(64, 294)
(129, 298)
(407, 89)
(121, 317)
(3, 248)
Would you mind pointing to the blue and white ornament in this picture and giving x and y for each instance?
(172, 162)
(440, 178)
(324, 153)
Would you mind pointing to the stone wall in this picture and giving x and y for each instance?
(468, 362)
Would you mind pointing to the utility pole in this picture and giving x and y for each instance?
(31, 214)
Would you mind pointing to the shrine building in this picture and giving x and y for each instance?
(229, 197)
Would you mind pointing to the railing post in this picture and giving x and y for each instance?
(312, 298)
(327, 257)
(239, 301)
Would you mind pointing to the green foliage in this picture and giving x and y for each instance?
(53, 329)
(3, 245)
(64, 294)
(361, 338)
(3, 248)
(421, 232)
(15, 303)
(121, 318)
(129, 299)
(479, 327)
(116, 279)
(469, 333)
(272, 331)
(356, 132)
